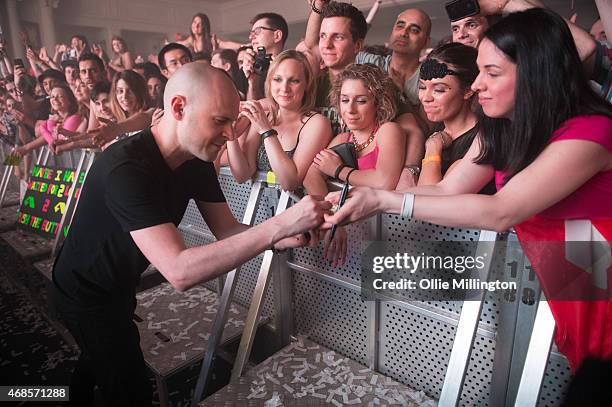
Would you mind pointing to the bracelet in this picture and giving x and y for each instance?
(338, 170)
(431, 159)
(414, 169)
(349, 174)
(407, 205)
(268, 133)
(313, 6)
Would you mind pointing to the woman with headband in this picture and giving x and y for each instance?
(547, 142)
(445, 92)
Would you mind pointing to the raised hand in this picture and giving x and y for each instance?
(254, 111)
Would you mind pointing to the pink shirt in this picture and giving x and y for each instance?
(71, 123)
(592, 199)
(368, 161)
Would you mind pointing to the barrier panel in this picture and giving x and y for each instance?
(412, 341)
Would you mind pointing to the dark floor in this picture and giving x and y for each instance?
(32, 352)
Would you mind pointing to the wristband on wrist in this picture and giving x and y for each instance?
(313, 6)
(407, 205)
(268, 133)
(338, 170)
(431, 159)
(349, 174)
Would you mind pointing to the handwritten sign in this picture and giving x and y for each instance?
(45, 200)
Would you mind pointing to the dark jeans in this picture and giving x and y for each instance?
(110, 358)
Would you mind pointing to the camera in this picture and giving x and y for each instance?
(460, 9)
(262, 61)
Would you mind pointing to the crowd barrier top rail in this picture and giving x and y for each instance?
(327, 308)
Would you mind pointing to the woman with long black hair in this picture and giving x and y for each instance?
(547, 141)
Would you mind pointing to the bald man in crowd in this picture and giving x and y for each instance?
(133, 199)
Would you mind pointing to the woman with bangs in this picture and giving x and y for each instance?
(367, 100)
(445, 92)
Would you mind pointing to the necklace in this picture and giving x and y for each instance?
(362, 146)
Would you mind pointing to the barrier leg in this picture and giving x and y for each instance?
(537, 357)
(224, 304)
(466, 330)
(246, 342)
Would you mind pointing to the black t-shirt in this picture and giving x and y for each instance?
(129, 187)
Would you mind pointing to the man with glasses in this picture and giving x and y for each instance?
(269, 31)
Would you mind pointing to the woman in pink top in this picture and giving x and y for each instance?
(64, 115)
(367, 101)
(547, 139)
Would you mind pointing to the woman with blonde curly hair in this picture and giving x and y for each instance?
(367, 101)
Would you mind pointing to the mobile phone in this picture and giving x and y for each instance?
(459, 9)
(18, 62)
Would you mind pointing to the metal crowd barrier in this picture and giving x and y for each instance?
(474, 353)
(458, 356)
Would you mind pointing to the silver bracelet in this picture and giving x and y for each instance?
(407, 205)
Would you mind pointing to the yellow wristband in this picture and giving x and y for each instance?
(431, 159)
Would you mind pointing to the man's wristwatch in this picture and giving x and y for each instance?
(268, 133)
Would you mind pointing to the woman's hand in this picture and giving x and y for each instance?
(437, 142)
(19, 151)
(107, 131)
(361, 203)
(157, 116)
(256, 114)
(335, 250)
(32, 56)
(327, 161)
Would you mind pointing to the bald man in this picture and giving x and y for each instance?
(133, 199)
(410, 34)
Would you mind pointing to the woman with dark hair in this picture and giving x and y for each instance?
(547, 141)
(123, 58)
(199, 39)
(445, 92)
(156, 84)
(129, 95)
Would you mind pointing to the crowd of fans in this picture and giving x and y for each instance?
(411, 112)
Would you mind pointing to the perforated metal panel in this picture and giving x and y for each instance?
(478, 376)
(415, 338)
(331, 315)
(312, 258)
(416, 234)
(556, 381)
(414, 348)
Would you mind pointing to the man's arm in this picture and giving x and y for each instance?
(313, 26)
(584, 42)
(163, 246)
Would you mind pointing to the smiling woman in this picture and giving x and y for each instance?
(447, 99)
(128, 95)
